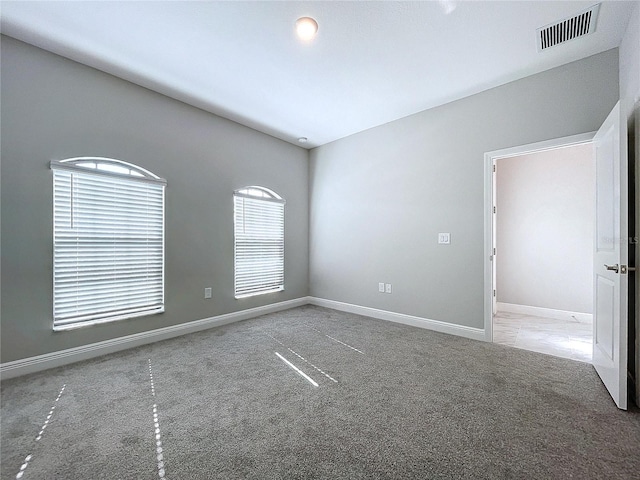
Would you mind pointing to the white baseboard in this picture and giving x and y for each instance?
(436, 325)
(85, 352)
(64, 357)
(544, 312)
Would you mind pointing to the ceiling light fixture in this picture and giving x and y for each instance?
(306, 28)
(302, 140)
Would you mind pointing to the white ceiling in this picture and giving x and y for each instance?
(371, 62)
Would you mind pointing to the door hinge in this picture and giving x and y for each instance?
(494, 209)
(494, 251)
(494, 293)
(494, 167)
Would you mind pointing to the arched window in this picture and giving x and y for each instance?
(259, 241)
(108, 241)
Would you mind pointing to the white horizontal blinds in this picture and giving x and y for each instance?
(108, 247)
(259, 244)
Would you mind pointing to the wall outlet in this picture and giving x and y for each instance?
(387, 288)
(381, 287)
(207, 292)
(444, 238)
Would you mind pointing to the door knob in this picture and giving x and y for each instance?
(612, 267)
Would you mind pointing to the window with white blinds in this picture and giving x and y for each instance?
(259, 241)
(108, 242)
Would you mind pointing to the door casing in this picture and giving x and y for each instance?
(489, 218)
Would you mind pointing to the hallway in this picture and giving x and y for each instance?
(562, 338)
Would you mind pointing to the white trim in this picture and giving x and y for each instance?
(489, 159)
(436, 325)
(242, 192)
(70, 164)
(278, 199)
(64, 357)
(488, 247)
(545, 312)
(536, 147)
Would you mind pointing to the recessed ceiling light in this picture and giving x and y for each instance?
(302, 140)
(306, 28)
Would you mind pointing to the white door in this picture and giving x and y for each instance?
(610, 257)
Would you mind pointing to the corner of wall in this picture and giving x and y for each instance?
(629, 62)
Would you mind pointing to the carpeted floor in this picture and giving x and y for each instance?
(392, 402)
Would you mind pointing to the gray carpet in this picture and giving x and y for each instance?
(392, 401)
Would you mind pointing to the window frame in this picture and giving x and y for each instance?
(260, 194)
(130, 174)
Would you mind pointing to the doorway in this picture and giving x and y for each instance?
(542, 245)
(611, 267)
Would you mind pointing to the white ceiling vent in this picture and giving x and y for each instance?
(579, 25)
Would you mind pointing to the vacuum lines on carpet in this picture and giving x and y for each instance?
(28, 458)
(335, 339)
(298, 370)
(301, 358)
(156, 425)
(406, 403)
(159, 451)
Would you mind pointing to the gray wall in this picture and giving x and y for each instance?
(630, 60)
(53, 108)
(380, 197)
(545, 229)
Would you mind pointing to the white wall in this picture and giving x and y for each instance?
(545, 229)
(380, 197)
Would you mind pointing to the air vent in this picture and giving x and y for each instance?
(584, 23)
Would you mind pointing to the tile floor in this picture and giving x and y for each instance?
(562, 338)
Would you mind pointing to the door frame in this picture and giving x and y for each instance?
(489, 202)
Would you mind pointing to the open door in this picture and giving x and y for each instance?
(611, 257)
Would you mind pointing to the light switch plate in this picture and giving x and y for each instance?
(444, 238)
(207, 292)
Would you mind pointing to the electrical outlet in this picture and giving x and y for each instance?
(207, 292)
(381, 287)
(444, 238)
(387, 288)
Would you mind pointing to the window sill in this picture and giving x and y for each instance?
(115, 318)
(264, 292)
